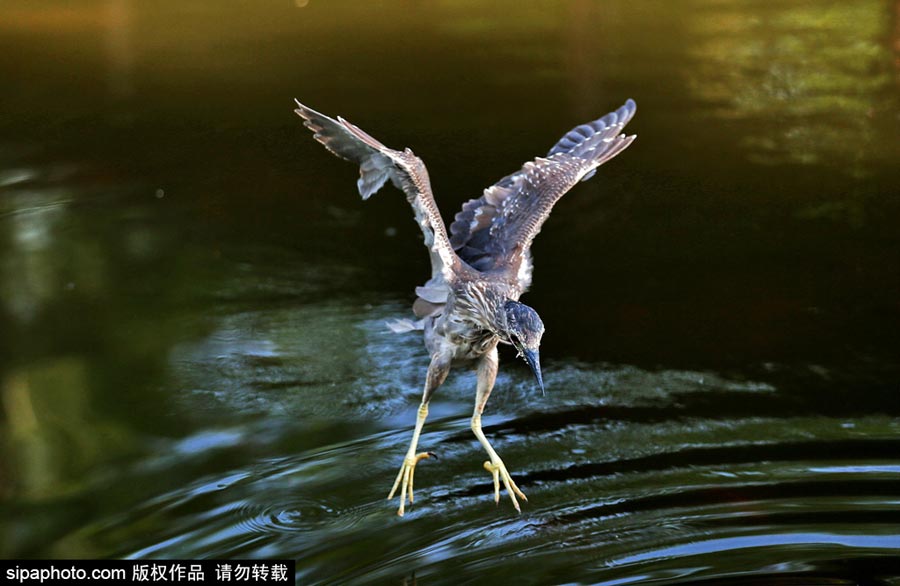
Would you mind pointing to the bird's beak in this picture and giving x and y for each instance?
(533, 358)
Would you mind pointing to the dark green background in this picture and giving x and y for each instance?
(193, 361)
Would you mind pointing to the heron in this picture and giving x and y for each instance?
(480, 267)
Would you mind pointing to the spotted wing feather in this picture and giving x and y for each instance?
(494, 232)
(378, 164)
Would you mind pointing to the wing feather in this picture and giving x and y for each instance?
(494, 232)
(377, 164)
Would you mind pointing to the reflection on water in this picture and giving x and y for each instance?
(822, 72)
(193, 358)
(822, 68)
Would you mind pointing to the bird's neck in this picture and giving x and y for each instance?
(482, 305)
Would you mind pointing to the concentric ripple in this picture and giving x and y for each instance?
(298, 515)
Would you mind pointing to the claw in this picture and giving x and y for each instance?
(499, 472)
(405, 479)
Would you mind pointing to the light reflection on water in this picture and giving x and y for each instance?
(662, 489)
(193, 358)
(297, 428)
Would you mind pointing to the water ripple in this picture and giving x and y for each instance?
(287, 517)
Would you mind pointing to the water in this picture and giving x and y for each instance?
(193, 362)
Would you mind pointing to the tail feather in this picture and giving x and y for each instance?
(402, 326)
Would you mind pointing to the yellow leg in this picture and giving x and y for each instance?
(487, 375)
(407, 471)
(497, 468)
(437, 373)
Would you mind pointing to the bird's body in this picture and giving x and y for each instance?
(482, 266)
(464, 328)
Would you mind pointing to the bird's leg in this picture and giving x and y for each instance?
(408, 469)
(437, 373)
(487, 374)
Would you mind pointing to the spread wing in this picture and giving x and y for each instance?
(377, 164)
(494, 232)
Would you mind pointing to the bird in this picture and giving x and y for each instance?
(480, 267)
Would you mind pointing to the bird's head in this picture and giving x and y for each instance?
(523, 329)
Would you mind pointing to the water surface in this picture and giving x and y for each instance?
(193, 358)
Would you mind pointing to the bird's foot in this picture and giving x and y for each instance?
(405, 479)
(498, 469)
